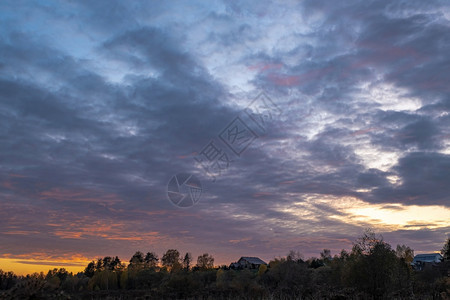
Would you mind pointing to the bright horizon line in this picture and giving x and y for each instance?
(22, 267)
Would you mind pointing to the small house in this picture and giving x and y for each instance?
(421, 260)
(247, 262)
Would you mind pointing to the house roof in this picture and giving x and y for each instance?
(427, 257)
(253, 260)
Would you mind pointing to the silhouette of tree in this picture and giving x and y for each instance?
(373, 266)
(446, 250)
(99, 264)
(116, 264)
(106, 262)
(7, 280)
(366, 242)
(90, 269)
(171, 259)
(205, 261)
(187, 261)
(315, 263)
(287, 279)
(405, 253)
(262, 269)
(325, 256)
(151, 260)
(295, 256)
(136, 261)
(111, 263)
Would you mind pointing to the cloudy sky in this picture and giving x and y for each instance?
(305, 123)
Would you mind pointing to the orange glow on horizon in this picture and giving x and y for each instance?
(29, 266)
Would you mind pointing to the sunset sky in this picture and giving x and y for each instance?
(345, 105)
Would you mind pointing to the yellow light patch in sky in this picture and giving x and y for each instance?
(391, 216)
(28, 266)
(385, 216)
(405, 217)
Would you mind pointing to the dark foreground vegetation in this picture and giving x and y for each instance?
(372, 270)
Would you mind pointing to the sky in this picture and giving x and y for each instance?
(237, 128)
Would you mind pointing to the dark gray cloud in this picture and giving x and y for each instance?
(425, 179)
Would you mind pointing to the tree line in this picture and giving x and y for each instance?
(371, 270)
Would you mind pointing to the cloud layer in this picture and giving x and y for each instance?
(102, 103)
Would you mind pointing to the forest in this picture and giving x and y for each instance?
(373, 269)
